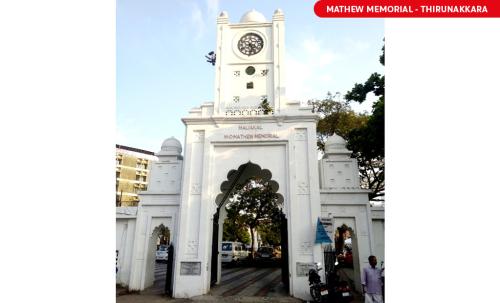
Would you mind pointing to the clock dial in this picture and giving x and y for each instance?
(250, 44)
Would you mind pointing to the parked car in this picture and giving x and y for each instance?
(162, 253)
(265, 253)
(233, 252)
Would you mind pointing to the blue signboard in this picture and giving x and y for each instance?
(321, 234)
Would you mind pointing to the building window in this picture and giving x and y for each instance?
(140, 178)
(141, 165)
(117, 174)
(249, 85)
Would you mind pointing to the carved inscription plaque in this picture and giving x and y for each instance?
(190, 268)
(303, 268)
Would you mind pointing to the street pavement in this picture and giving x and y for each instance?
(238, 284)
(250, 282)
(143, 298)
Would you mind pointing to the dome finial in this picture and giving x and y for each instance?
(253, 16)
(335, 144)
(170, 147)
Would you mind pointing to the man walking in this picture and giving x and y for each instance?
(371, 280)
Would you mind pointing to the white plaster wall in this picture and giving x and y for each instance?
(378, 223)
(158, 205)
(232, 61)
(166, 177)
(153, 210)
(229, 60)
(125, 230)
(196, 240)
(339, 174)
(291, 157)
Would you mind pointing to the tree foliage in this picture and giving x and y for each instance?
(270, 232)
(336, 116)
(266, 107)
(256, 203)
(234, 228)
(364, 132)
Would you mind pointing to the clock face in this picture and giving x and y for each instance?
(250, 44)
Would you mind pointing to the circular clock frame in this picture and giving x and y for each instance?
(250, 44)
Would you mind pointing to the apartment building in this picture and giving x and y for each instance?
(132, 173)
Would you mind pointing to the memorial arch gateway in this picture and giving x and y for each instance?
(229, 140)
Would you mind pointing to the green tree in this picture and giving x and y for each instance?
(234, 228)
(270, 232)
(364, 133)
(256, 203)
(336, 116)
(266, 107)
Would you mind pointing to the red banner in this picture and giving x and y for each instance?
(407, 8)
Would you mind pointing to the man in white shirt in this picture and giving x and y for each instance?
(371, 280)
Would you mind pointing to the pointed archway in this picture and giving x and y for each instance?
(235, 179)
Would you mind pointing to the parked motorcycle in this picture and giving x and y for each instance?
(336, 291)
(317, 289)
(340, 293)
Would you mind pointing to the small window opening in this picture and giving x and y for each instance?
(249, 85)
(250, 70)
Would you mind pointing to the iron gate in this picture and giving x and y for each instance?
(170, 263)
(284, 253)
(215, 250)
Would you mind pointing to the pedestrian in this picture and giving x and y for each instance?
(371, 281)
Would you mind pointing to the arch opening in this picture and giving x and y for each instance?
(156, 263)
(250, 238)
(347, 254)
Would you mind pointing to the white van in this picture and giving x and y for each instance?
(233, 252)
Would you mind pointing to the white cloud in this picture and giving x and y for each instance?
(327, 57)
(309, 70)
(198, 22)
(200, 18)
(311, 45)
(358, 45)
(365, 106)
(212, 7)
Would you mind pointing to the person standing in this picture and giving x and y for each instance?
(371, 281)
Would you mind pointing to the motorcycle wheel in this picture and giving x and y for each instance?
(315, 294)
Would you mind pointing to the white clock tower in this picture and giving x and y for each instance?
(229, 141)
(249, 66)
(250, 129)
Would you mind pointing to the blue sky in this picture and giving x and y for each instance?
(162, 73)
